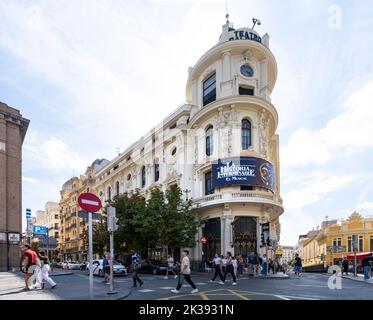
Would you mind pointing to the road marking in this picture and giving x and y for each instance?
(146, 290)
(204, 296)
(238, 295)
(281, 297)
(186, 285)
(201, 283)
(167, 288)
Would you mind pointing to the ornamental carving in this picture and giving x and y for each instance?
(263, 132)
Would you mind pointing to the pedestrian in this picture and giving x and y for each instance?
(106, 269)
(235, 265)
(45, 269)
(284, 267)
(264, 265)
(136, 265)
(297, 265)
(217, 266)
(29, 260)
(256, 264)
(366, 268)
(224, 263)
(229, 269)
(185, 272)
(170, 267)
(241, 264)
(345, 266)
(270, 266)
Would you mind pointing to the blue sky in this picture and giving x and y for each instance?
(96, 75)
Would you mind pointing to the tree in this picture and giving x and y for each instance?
(100, 239)
(179, 222)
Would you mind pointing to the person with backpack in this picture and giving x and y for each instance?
(136, 265)
(297, 265)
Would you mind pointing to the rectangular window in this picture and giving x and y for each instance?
(334, 242)
(209, 188)
(361, 247)
(246, 91)
(371, 243)
(56, 216)
(156, 172)
(349, 244)
(339, 242)
(246, 188)
(209, 90)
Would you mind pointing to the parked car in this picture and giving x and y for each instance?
(73, 265)
(154, 267)
(98, 269)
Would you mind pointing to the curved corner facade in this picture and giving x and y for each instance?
(220, 147)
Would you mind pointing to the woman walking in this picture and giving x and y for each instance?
(170, 267)
(45, 269)
(229, 269)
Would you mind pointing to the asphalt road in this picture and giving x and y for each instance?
(308, 287)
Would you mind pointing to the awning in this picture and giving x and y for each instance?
(360, 255)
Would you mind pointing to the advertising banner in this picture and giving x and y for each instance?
(243, 171)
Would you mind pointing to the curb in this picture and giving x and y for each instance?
(357, 280)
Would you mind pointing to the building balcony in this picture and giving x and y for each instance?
(239, 197)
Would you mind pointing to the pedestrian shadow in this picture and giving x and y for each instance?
(15, 292)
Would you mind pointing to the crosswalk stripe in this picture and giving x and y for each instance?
(146, 290)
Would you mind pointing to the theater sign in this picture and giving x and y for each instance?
(243, 171)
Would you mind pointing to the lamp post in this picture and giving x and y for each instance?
(186, 194)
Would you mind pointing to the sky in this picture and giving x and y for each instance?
(93, 76)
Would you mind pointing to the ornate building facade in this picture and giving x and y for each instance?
(220, 147)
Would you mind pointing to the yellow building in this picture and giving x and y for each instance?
(73, 243)
(341, 235)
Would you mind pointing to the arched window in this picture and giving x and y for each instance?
(143, 177)
(109, 193)
(117, 188)
(209, 141)
(246, 134)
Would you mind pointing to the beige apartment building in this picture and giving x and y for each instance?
(13, 128)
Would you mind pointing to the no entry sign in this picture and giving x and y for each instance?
(203, 240)
(89, 202)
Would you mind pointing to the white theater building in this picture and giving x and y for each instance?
(220, 147)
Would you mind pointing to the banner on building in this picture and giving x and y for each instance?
(243, 171)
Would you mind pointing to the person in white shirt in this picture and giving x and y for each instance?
(235, 265)
(217, 265)
(170, 266)
(185, 271)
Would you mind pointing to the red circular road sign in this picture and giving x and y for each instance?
(89, 202)
(203, 240)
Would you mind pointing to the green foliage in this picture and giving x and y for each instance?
(162, 220)
(100, 239)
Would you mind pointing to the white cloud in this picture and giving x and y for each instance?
(347, 133)
(54, 155)
(31, 180)
(314, 190)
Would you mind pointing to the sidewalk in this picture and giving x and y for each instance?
(68, 288)
(359, 278)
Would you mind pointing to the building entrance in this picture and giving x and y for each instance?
(244, 235)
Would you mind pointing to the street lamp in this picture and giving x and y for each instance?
(186, 194)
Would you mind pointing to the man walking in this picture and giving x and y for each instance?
(185, 271)
(297, 265)
(229, 269)
(106, 267)
(217, 265)
(264, 265)
(136, 264)
(345, 266)
(366, 267)
(30, 257)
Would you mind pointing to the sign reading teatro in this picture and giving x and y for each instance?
(243, 171)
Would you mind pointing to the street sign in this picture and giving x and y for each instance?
(14, 237)
(89, 202)
(40, 230)
(203, 240)
(95, 216)
(336, 249)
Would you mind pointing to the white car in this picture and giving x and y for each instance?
(98, 269)
(73, 265)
